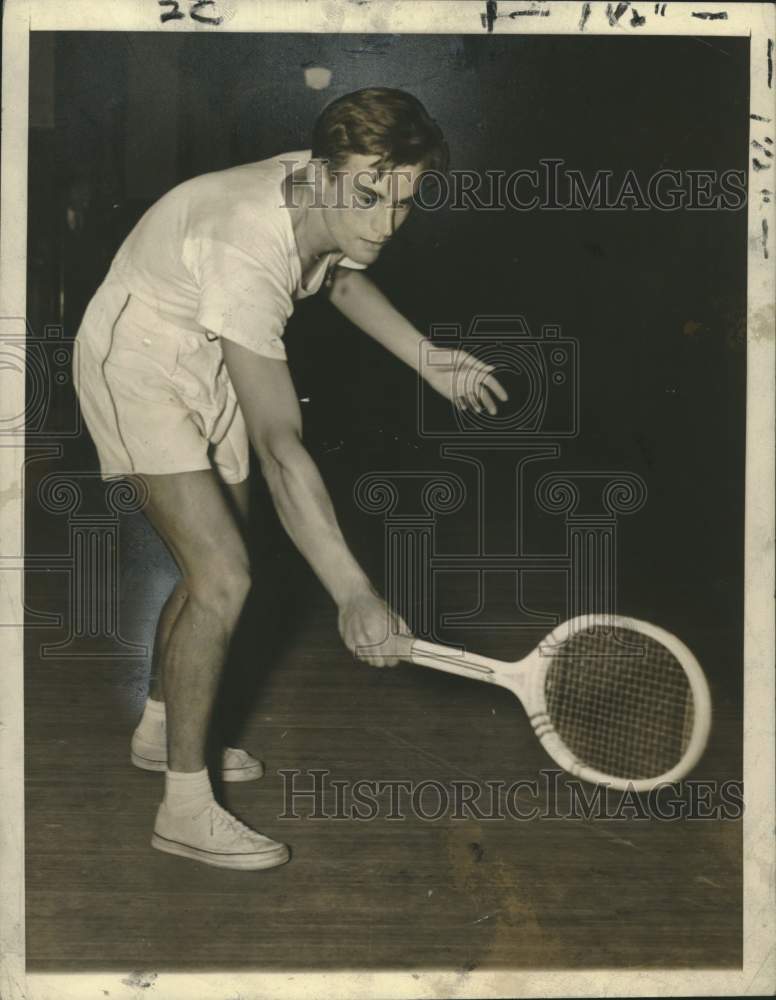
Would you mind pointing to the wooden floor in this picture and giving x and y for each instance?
(403, 894)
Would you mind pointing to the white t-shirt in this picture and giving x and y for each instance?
(217, 253)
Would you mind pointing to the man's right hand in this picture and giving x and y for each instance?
(372, 632)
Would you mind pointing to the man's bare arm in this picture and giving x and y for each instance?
(359, 299)
(271, 409)
(466, 381)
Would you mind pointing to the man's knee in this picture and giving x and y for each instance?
(221, 588)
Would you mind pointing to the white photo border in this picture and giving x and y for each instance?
(758, 22)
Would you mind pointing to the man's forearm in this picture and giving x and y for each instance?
(361, 301)
(307, 513)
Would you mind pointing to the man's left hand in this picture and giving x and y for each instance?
(465, 380)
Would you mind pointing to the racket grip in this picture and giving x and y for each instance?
(453, 660)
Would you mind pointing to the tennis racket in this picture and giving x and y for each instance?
(613, 700)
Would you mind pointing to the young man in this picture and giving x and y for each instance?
(181, 362)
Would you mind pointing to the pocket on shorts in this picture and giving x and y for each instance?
(142, 356)
(200, 375)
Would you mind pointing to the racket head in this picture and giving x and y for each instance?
(618, 701)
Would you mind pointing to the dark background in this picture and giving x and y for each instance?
(656, 300)
(657, 303)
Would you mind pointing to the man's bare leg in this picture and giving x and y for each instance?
(238, 497)
(192, 516)
(169, 613)
(149, 748)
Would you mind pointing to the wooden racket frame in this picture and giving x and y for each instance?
(525, 679)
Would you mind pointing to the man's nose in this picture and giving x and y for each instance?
(383, 223)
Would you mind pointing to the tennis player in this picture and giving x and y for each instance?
(181, 364)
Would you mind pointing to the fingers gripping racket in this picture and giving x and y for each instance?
(613, 700)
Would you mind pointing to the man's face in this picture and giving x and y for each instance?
(365, 207)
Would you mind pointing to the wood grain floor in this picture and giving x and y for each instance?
(460, 893)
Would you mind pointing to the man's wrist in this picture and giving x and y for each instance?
(420, 349)
(348, 588)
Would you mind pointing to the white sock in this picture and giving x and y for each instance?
(153, 725)
(187, 792)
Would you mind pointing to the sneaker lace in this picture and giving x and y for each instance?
(220, 817)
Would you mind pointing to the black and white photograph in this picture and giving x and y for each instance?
(387, 501)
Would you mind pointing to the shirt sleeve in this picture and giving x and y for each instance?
(242, 297)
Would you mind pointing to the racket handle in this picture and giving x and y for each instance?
(456, 661)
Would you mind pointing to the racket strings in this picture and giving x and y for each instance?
(620, 701)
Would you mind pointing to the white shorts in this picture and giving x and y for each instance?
(156, 398)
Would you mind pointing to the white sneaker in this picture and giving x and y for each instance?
(236, 765)
(217, 838)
